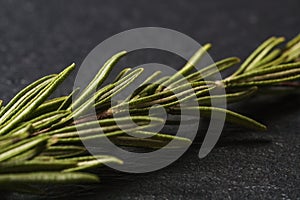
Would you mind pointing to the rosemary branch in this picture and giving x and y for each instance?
(39, 140)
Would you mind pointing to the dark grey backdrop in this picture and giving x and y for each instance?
(42, 37)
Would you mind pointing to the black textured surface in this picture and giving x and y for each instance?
(42, 37)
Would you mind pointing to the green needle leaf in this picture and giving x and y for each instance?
(34, 103)
(48, 178)
(231, 117)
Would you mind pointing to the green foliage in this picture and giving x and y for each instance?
(39, 140)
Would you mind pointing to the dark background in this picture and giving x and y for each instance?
(42, 37)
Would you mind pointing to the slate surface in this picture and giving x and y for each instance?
(41, 37)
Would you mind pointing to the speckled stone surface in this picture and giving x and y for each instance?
(42, 37)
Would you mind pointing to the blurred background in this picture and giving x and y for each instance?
(42, 37)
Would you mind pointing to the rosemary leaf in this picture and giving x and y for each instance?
(48, 177)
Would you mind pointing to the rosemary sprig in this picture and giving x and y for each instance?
(39, 140)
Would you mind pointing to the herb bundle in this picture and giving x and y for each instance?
(39, 139)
